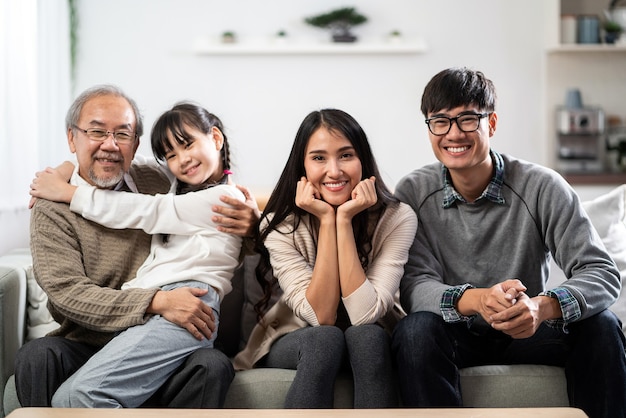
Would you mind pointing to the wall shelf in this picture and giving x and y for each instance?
(567, 48)
(596, 178)
(404, 47)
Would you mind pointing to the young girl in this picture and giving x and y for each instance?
(337, 241)
(187, 251)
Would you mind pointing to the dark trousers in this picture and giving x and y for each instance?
(42, 365)
(319, 353)
(429, 353)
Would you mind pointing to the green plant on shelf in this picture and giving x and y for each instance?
(340, 22)
(229, 37)
(611, 26)
(612, 31)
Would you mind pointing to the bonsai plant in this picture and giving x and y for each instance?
(340, 22)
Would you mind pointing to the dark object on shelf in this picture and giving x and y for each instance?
(340, 22)
(611, 37)
(620, 147)
(580, 139)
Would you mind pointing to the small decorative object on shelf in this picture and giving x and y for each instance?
(229, 37)
(568, 29)
(612, 31)
(340, 22)
(280, 37)
(395, 36)
(588, 27)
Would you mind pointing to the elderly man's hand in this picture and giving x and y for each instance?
(237, 217)
(183, 307)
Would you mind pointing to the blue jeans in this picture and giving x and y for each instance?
(429, 353)
(128, 370)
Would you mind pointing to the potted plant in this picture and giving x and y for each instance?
(229, 37)
(340, 22)
(280, 36)
(612, 31)
(395, 36)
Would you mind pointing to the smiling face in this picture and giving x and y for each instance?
(198, 159)
(103, 164)
(332, 165)
(465, 153)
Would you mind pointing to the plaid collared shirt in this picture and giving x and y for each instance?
(493, 191)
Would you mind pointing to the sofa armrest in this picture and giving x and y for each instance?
(14, 267)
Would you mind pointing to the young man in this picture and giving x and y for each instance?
(474, 285)
(82, 265)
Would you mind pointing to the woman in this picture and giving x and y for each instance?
(337, 241)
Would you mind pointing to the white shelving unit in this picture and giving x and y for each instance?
(597, 70)
(413, 46)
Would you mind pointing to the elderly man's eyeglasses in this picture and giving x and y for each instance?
(467, 122)
(100, 135)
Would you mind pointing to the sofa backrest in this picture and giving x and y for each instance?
(237, 315)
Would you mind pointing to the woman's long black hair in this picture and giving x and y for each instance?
(282, 201)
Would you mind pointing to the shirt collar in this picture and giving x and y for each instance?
(126, 184)
(493, 192)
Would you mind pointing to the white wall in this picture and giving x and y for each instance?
(145, 47)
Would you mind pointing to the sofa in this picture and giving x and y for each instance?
(23, 316)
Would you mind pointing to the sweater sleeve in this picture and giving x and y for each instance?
(391, 243)
(593, 278)
(289, 254)
(185, 214)
(422, 286)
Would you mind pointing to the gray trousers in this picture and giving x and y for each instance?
(136, 363)
(319, 353)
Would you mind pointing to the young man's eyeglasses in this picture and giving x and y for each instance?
(467, 122)
(100, 135)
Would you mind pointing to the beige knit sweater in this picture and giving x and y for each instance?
(293, 256)
(82, 266)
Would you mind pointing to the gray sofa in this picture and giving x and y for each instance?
(23, 316)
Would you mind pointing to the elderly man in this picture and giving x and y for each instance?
(82, 265)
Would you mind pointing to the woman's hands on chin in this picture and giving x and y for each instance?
(308, 198)
(363, 197)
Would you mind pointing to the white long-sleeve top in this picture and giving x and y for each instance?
(195, 249)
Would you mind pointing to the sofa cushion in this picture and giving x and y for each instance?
(252, 295)
(39, 322)
(607, 213)
(490, 386)
(237, 314)
(267, 388)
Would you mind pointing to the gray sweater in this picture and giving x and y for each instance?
(485, 242)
